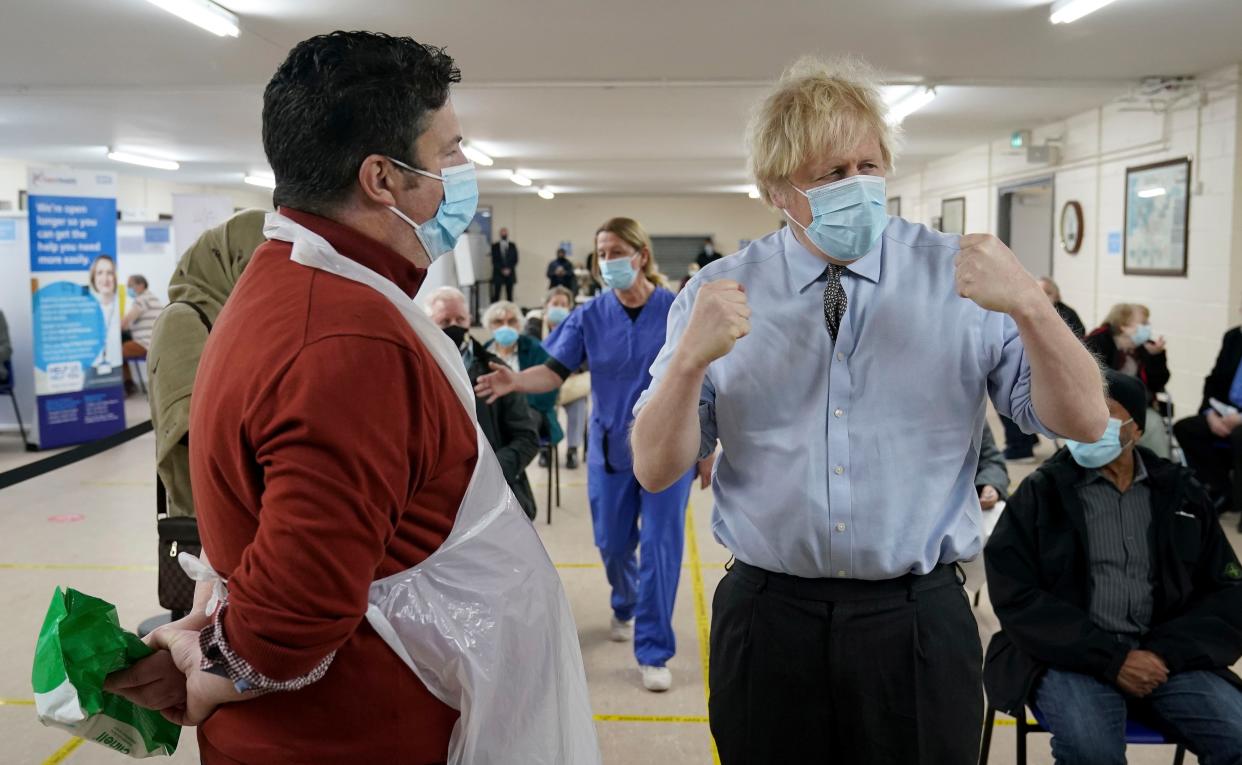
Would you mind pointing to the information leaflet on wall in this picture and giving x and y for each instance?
(76, 310)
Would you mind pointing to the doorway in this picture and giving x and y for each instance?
(1025, 223)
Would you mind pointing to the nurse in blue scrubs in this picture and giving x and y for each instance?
(619, 334)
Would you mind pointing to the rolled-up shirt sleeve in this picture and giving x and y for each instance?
(678, 318)
(341, 454)
(1009, 382)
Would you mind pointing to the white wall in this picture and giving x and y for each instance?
(538, 226)
(135, 193)
(1192, 312)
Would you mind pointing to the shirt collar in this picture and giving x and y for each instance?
(808, 268)
(1140, 472)
(362, 249)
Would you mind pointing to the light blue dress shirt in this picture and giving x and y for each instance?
(855, 459)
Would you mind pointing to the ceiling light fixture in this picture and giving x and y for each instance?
(476, 156)
(261, 179)
(1069, 11)
(1159, 191)
(202, 13)
(909, 104)
(546, 193)
(137, 159)
(519, 179)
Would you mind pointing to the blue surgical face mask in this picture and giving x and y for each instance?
(505, 336)
(847, 217)
(618, 273)
(556, 315)
(1142, 334)
(131, 293)
(1102, 452)
(461, 199)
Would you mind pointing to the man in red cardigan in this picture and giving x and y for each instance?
(328, 449)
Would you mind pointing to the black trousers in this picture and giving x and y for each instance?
(501, 284)
(1017, 443)
(845, 671)
(1212, 457)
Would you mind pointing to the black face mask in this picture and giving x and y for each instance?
(457, 334)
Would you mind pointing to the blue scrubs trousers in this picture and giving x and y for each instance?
(644, 588)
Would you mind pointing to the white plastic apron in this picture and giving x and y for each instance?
(483, 622)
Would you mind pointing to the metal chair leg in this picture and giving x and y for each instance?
(548, 451)
(21, 427)
(989, 722)
(556, 460)
(1179, 756)
(1021, 736)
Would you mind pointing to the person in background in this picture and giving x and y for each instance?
(577, 388)
(593, 285)
(561, 273)
(518, 351)
(1068, 315)
(1118, 595)
(691, 270)
(504, 266)
(708, 254)
(139, 320)
(845, 482)
(1125, 343)
(1212, 439)
(620, 333)
(6, 348)
(992, 475)
(509, 424)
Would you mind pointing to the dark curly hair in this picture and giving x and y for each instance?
(343, 96)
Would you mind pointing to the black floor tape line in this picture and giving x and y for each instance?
(85, 451)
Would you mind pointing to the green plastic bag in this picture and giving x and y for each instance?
(80, 644)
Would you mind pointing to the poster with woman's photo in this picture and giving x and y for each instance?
(76, 316)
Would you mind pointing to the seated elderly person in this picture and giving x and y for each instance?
(509, 424)
(1125, 343)
(1118, 596)
(518, 351)
(1212, 439)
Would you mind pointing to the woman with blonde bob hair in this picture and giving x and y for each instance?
(842, 364)
(619, 334)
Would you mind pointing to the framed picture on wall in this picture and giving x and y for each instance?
(894, 206)
(1157, 232)
(953, 215)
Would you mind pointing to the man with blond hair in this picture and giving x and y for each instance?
(850, 426)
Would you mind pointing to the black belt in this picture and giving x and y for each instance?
(830, 590)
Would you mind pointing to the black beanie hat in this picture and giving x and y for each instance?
(1130, 393)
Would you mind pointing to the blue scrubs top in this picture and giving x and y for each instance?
(620, 352)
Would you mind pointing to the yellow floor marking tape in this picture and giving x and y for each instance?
(16, 702)
(64, 752)
(648, 719)
(700, 607)
(74, 567)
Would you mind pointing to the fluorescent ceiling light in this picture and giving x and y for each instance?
(753, 193)
(1069, 11)
(519, 179)
(260, 179)
(1159, 191)
(546, 194)
(476, 156)
(136, 159)
(202, 13)
(909, 104)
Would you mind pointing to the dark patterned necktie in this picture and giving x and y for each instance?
(835, 301)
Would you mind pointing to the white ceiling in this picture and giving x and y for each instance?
(587, 96)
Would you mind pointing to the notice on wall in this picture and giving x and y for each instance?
(76, 308)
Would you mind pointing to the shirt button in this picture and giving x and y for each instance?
(841, 574)
(840, 356)
(838, 413)
(838, 470)
(840, 527)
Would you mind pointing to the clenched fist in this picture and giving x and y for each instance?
(720, 318)
(989, 274)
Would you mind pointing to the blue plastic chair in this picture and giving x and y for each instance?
(1136, 733)
(6, 388)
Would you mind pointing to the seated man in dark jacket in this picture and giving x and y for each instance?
(510, 425)
(1212, 440)
(1118, 595)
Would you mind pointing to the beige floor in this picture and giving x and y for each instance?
(110, 551)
